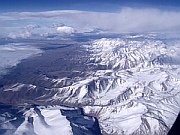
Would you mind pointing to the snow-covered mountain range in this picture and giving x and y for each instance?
(134, 89)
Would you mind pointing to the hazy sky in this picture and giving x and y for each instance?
(90, 5)
(24, 18)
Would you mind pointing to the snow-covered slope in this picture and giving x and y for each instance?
(45, 122)
(140, 95)
(133, 91)
(139, 91)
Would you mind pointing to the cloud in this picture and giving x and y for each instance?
(65, 30)
(125, 20)
(15, 35)
(32, 27)
(12, 54)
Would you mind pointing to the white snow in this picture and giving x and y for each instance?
(57, 124)
(54, 123)
(25, 127)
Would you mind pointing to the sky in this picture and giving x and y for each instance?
(87, 5)
(25, 18)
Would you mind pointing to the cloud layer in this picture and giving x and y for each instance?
(125, 20)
